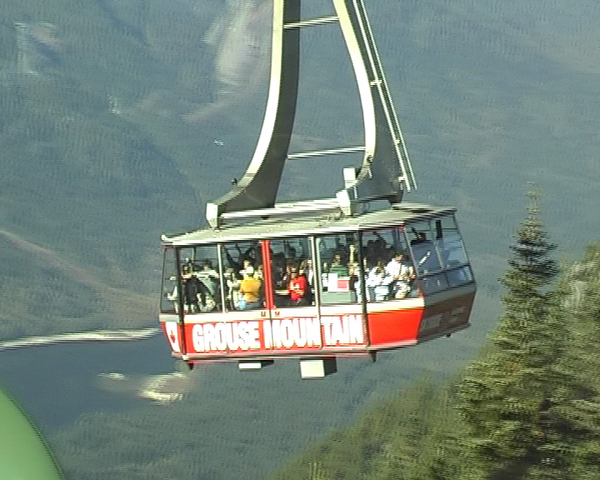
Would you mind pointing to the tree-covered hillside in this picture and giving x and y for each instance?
(121, 118)
(85, 190)
(527, 409)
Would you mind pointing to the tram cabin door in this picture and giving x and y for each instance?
(338, 290)
(295, 325)
(313, 305)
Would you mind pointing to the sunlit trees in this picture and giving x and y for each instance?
(513, 399)
(529, 408)
(413, 436)
(581, 289)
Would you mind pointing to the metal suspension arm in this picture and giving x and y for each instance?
(258, 187)
(385, 172)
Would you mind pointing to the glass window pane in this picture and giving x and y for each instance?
(449, 242)
(169, 302)
(459, 276)
(200, 279)
(243, 275)
(389, 271)
(434, 283)
(423, 249)
(338, 262)
(293, 273)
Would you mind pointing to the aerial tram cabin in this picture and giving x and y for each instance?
(317, 279)
(347, 308)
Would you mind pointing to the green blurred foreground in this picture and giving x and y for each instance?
(23, 453)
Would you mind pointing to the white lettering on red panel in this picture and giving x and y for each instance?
(292, 332)
(287, 333)
(346, 330)
(207, 337)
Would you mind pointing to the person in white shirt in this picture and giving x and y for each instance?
(378, 283)
(402, 274)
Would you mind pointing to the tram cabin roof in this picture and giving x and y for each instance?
(274, 227)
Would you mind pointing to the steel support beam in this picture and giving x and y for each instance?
(385, 171)
(258, 187)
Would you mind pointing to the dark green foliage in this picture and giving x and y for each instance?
(531, 269)
(514, 398)
(580, 286)
(414, 436)
(529, 408)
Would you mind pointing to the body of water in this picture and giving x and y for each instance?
(56, 383)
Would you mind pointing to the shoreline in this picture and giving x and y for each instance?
(91, 336)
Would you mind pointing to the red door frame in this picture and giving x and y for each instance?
(265, 246)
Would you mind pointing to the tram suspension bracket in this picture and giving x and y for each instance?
(384, 155)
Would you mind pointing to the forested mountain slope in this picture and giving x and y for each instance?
(120, 118)
(527, 408)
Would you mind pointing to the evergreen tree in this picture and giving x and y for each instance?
(509, 399)
(581, 286)
(413, 436)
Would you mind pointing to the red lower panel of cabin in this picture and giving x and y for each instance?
(343, 334)
(446, 317)
(397, 328)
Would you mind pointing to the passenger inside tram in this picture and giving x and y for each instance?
(378, 283)
(250, 291)
(287, 274)
(306, 269)
(210, 279)
(197, 297)
(278, 270)
(244, 258)
(376, 249)
(421, 237)
(389, 272)
(298, 289)
(247, 263)
(402, 274)
(260, 273)
(232, 288)
(396, 264)
(337, 266)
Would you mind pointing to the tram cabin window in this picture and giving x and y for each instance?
(434, 283)
(437, 246)
(449, 242)
(199, 270)
(459, 276)
(338, 260)
(243, 275)
(423, 248)
(388, 269)
(169, 300)
(292, 271)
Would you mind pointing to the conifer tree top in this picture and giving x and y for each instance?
(531, 268)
